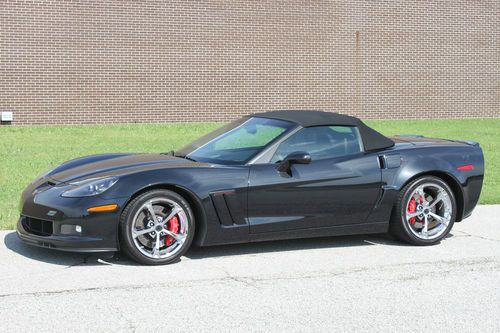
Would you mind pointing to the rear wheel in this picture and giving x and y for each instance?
(157, 227)
(424, 212)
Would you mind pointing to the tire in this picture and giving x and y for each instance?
(139, 230)
(409, 228)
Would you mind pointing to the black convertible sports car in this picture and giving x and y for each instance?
(274, 175)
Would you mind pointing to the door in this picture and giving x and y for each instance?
(339, 187)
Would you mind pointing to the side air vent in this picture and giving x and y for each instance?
(228, 208)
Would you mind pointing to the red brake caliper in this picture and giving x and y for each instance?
(412, 207)
(172, 226)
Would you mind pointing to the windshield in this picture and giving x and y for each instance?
(237, 142)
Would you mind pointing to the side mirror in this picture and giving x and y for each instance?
(298, 157)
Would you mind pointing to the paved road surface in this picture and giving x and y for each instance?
(369, 283)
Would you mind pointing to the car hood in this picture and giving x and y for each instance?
(114, 165)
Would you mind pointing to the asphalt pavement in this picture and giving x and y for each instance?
(344, 284)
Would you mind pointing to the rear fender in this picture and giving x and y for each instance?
(443, 163)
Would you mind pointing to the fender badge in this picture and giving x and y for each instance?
(51, 213)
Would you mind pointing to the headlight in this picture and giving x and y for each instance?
(90, 187)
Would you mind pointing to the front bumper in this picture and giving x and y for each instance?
(71, 243)
(51, 221)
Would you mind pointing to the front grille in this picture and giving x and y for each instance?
(37, 227)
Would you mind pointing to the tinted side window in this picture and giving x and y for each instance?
(321, 142)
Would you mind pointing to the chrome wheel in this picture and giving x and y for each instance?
(160, 228)
(428, 211)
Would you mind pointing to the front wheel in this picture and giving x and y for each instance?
(424, 212)
(157, 227)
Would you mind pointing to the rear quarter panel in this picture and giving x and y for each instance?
(441, 161)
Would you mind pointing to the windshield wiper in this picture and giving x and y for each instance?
(170, 153)
(188, 158)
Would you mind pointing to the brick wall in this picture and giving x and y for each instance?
(178, 61)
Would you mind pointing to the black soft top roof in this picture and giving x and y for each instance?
(372, 140)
